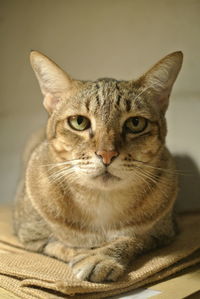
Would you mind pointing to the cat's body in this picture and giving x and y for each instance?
(99, 188)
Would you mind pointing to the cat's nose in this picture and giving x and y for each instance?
(107, 156)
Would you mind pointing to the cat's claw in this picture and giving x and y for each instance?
(96, 268)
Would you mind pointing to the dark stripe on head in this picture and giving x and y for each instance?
(128, 105)
(118, 99)
(117, 86)
(87, 104)
(118, 96)
(97, 100)
(97, 95)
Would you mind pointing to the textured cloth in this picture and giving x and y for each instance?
(32, 275)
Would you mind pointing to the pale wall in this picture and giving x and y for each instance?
(91, 39)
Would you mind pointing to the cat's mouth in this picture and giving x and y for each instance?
(107, 176)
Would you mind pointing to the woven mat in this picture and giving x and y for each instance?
(32, 275)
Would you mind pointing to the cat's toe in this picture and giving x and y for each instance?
(82, 266)
(97, 268)
(106, 270)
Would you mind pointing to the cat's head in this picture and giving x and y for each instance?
(105, 130)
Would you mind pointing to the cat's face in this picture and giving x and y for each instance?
(108, 131)
(105, 131)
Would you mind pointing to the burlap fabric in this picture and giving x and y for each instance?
(31, 275)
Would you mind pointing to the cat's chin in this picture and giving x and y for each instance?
(106, 180)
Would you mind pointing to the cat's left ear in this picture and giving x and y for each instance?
(160, 78)
(53, 81)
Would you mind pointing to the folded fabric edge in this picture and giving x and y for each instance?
(70, 290)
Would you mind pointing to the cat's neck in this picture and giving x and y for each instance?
(114, 198)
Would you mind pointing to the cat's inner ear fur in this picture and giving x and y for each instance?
(53, 81)
(160, 78)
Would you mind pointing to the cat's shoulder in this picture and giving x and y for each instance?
(35, 139)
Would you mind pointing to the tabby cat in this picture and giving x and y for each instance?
(99, 185)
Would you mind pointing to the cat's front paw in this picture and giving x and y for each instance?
(96, 268)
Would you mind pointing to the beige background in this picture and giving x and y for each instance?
(91, 39)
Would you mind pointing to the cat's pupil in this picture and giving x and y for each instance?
(79, 119)
(135, 121)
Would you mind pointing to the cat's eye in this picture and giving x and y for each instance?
(135, 124)
(79, 122)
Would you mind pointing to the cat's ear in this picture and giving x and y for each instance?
(54, 82)
(161, 77)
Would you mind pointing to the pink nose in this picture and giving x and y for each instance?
(107, 157)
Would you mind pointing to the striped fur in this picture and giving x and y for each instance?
(72, 206)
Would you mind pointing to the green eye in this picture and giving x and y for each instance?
(79, 122)
(135, 124)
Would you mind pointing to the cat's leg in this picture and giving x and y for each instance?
(86, 262)
(106, 263)
(109, 262)
(57, 249)
(28, 225)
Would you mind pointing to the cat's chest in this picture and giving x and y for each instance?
(105, 210)
(103, 214)
(103, 218)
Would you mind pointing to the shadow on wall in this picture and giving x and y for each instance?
(189, 183)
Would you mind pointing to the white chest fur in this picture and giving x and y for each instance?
(106, 213)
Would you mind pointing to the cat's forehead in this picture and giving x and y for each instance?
(109, 98)
(107, 91)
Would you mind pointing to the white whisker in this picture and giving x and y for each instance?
(145, 89)
(171, 171)
(155, 182)
(62, 170)
(69, 162)
(144, 181)
(154, 178)
(60, 178)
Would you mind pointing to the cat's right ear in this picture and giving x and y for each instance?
(160, 78)
(53, 81)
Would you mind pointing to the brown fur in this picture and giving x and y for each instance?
(72, 206)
